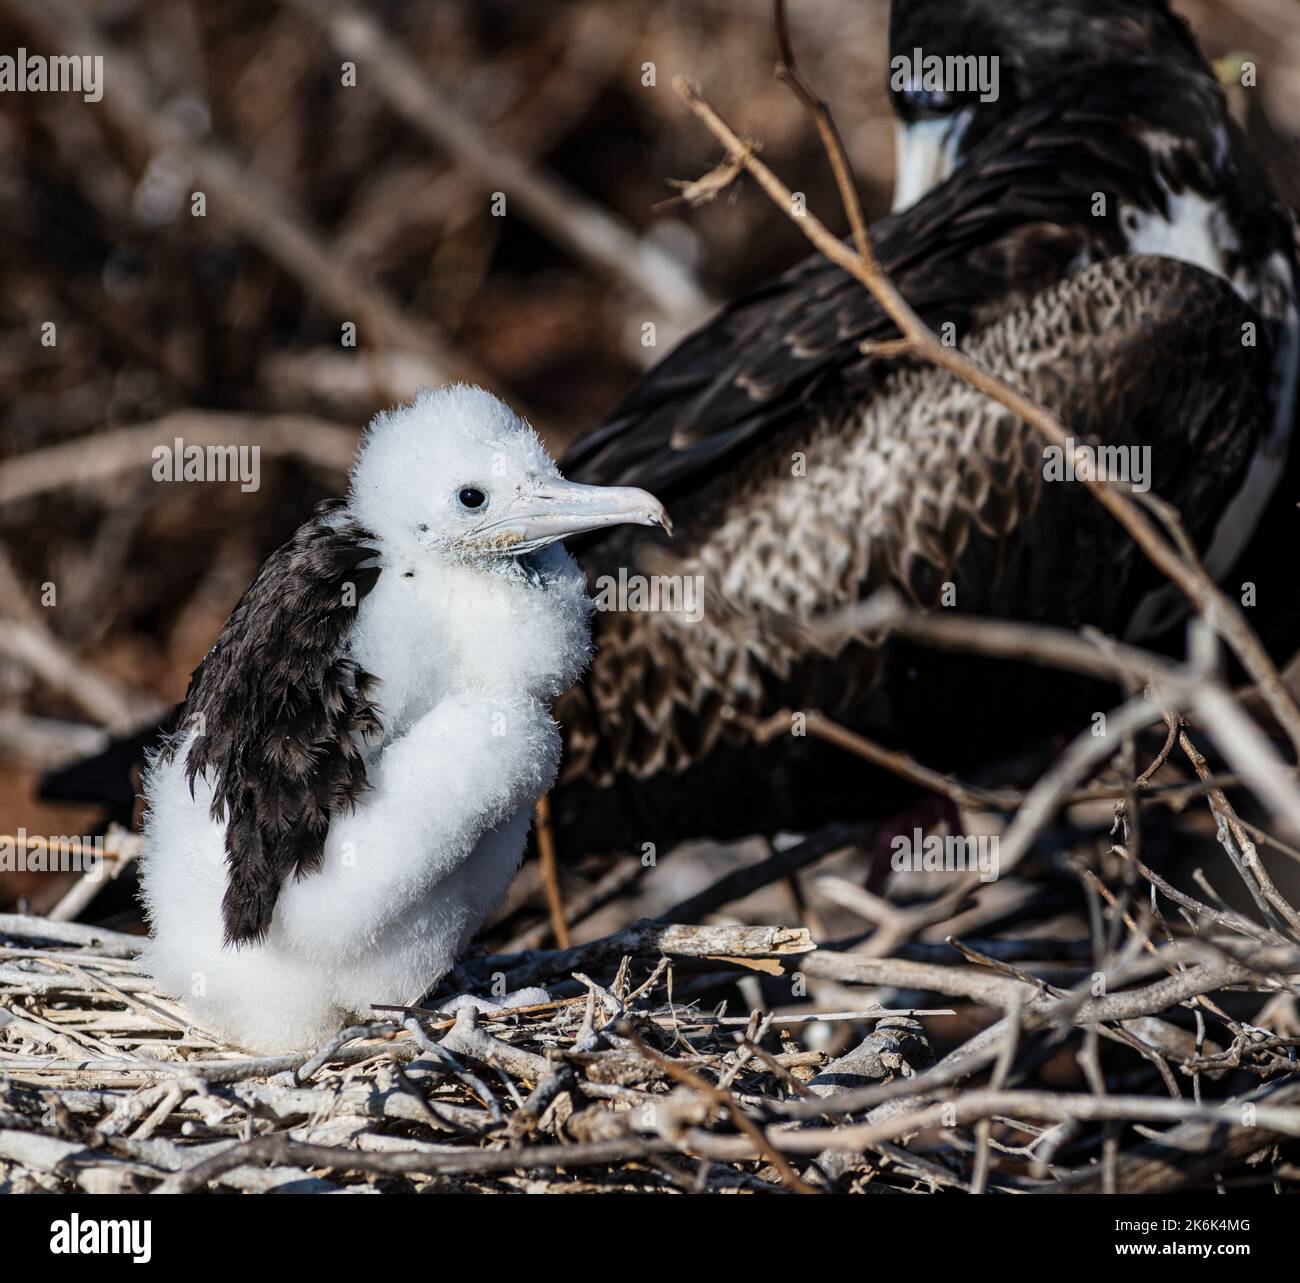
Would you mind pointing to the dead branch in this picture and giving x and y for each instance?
(261, 213)
(36, 649)
(592, 234)
(107, 455)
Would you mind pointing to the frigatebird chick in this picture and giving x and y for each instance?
(348, 792)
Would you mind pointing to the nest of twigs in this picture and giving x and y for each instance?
(1088, 1021)
(1020, 1064)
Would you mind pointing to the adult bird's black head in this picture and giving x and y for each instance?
(960, 68)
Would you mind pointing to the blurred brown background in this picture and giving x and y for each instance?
(369, 204)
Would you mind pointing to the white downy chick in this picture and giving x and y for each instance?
(349, 791)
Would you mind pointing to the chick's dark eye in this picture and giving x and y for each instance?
(471, 497)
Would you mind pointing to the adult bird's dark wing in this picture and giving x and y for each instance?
(275, 711)
(1019, 215)
(923, 485)
(1151, 356)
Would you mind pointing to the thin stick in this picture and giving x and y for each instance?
(591, 233)
(107, 455)
(1242, 742)
(787, 70)
(551, 872)
(39, 651)
(238, 196)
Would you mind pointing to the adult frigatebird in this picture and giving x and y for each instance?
(1111, 249)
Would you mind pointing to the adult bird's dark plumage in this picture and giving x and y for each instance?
(1036, 44)
(922, 483)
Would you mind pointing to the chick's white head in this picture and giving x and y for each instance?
(458, 474)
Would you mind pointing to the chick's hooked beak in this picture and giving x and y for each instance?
(557, 509)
